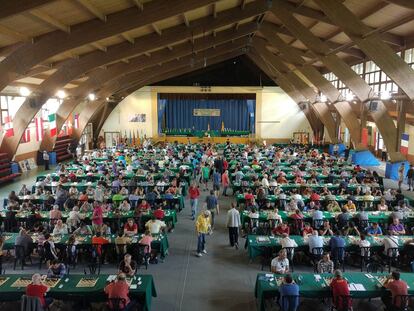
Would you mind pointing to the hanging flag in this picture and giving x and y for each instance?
(52, 124)
(8, 126)
(339, 133)
(76, 121)
(364, 137)
(133, 137)
(404, 143)
(208, 127)
(26, 136)
(138, 140)
(222, 126)
(69, 129)
(130, 138)
(39, 128)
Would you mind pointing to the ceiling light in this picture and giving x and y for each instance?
(61, 94)
(24, 91)
(91, 96)
(349, 97)
(323, 98)
(107, 99)
(385, 95)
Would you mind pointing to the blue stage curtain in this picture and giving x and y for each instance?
(162, 103)
(237, 114)
(251, 110)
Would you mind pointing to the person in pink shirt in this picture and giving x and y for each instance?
(146, 240)
(225, 180)
(97, 216)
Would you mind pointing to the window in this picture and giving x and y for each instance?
(10, 105)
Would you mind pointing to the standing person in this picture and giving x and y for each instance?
(216, 182)
(203, 225)
(384, 154)
(205, 175)
(46, 160)
(194, 194)
(401, 175)
(233, 223)
(225, 180)
(212, 206)
(410, 177)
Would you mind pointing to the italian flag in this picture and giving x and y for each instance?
(26, 136)
(8, 126)
(52, 124)
(39, 128)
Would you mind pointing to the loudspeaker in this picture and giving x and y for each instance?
(373, 105)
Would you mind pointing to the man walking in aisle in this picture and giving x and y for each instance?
(410, 177)
(202, 228)
(212, 206)
(216, 182)
(194, 193)
(46, 160)
(233, 223)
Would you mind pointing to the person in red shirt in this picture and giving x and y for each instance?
(249, 197)
(315, 197)
(339, 287)
(397, 287)
(281, 229)
(194, 193)
(119, 289)
(225, 164)
(98, 241)
(225, 180)
(83, 197)
(308, 230)
(159, 213)
(144, 206)
(130, 228)
(39, 290)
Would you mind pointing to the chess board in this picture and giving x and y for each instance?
(327, 280)
(381, 279)
(3, 280)
(7, 237)
(87, 282)
(279, 281)
(51, 282)
(21, 282)
(80, 239)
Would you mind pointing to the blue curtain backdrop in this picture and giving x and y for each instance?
(237, 113)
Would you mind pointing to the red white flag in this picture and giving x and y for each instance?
(26, 136)
(39, 128)
(76, 121)
(69, 130)
(8, 126)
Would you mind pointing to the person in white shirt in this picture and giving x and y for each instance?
(60, 228)
(74, 219)
(154, 225)
(125, 206)
(233, 224)
(390, 241)
(315, 241)
(286, 241)
(364, 243)
(280, 264)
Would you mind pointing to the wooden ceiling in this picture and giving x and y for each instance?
(28, 21)
(111, 47)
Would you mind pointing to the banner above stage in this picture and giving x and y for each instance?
(206, 112)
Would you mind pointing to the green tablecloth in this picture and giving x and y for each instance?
(379, 217)
(66, 289)
(338, 198)
(313, 287)
(255, 247)
(170, 216)
(160, 242)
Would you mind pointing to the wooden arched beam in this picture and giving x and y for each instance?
(296, 96)
(14, 7)
(344, 73)
(371, 44)
(291, 55)
(102, 76)
(51, 44)
(91, 109)
(308, 92)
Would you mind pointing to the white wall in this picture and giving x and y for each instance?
(138, 102)
(276, 105)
